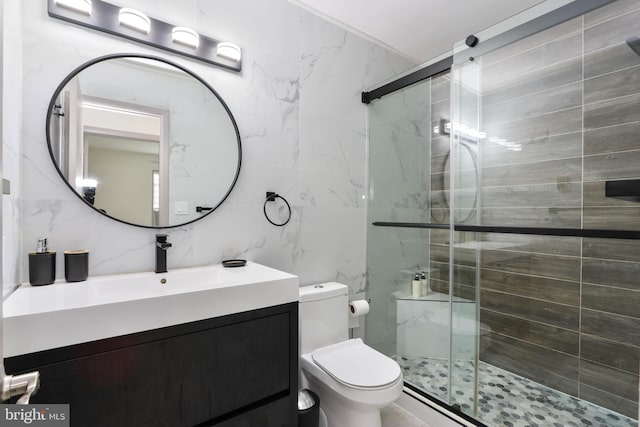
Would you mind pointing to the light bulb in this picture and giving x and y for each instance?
(135, 20)
(229, 51)
(185, 36)
(82, 6)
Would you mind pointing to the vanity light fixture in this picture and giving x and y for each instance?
(134, 19)
(185, 36)
(229, 50)
(134, 25)
(82, 6)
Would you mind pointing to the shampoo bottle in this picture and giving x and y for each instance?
(42, 264)
(424, 286)
(415, 286)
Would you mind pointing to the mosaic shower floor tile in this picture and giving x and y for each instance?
(507, 399)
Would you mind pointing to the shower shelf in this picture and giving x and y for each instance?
(628, 189)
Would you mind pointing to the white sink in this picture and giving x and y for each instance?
(43, 317)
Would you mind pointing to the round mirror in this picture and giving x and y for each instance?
(466, 181)
(143, 140)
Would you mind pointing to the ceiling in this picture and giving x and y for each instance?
(417, 29)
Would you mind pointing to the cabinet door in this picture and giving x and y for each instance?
(274, 414)
(178, 381)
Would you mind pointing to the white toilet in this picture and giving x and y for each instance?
(352, 380)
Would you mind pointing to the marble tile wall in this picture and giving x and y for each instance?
(297, 104)
(11, 147)
(399, 176)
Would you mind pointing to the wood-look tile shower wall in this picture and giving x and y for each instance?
(561, 110)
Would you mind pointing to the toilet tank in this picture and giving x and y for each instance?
(323, 314)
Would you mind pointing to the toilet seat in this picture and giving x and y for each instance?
(354, 364)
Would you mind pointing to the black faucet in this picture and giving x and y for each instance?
(161, 253)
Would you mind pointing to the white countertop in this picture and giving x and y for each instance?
(44, 317)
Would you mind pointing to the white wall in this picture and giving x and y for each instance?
(11, 148)
(399, 190)
(125, 183)
(297, 104)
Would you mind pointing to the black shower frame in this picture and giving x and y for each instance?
(550, 19)
(538, 231)
(408, 80)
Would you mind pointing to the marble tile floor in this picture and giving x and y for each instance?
(395, 416)
(506, 399)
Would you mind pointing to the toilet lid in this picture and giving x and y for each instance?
(355, 364)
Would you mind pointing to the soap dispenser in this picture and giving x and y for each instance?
(424, 285)
(42, 264)
(415, 286)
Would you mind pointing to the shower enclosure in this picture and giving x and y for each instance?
(512, 180)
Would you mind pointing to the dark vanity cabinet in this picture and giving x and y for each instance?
(236, 370)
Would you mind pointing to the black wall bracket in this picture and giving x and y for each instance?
(271, 197)
(471, 41)
(628, 189)
(408, 80)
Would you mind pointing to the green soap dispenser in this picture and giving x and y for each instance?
(42, 264)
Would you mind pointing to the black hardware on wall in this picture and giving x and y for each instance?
(533, 26)
(628, 189)
(471, 41)
(58, 110)
(550, 19)
(408, 80)
(203, 209)
(271, 197)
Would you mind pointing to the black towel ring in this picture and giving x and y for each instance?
(271, 197)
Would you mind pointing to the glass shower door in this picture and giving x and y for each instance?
(408, 321)
(506, 204)
(399, 153)
(550, 117)
(465, 204)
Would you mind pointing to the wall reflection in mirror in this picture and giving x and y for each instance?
(143, 141)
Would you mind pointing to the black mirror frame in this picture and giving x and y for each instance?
(468, 147)
(86, 65)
